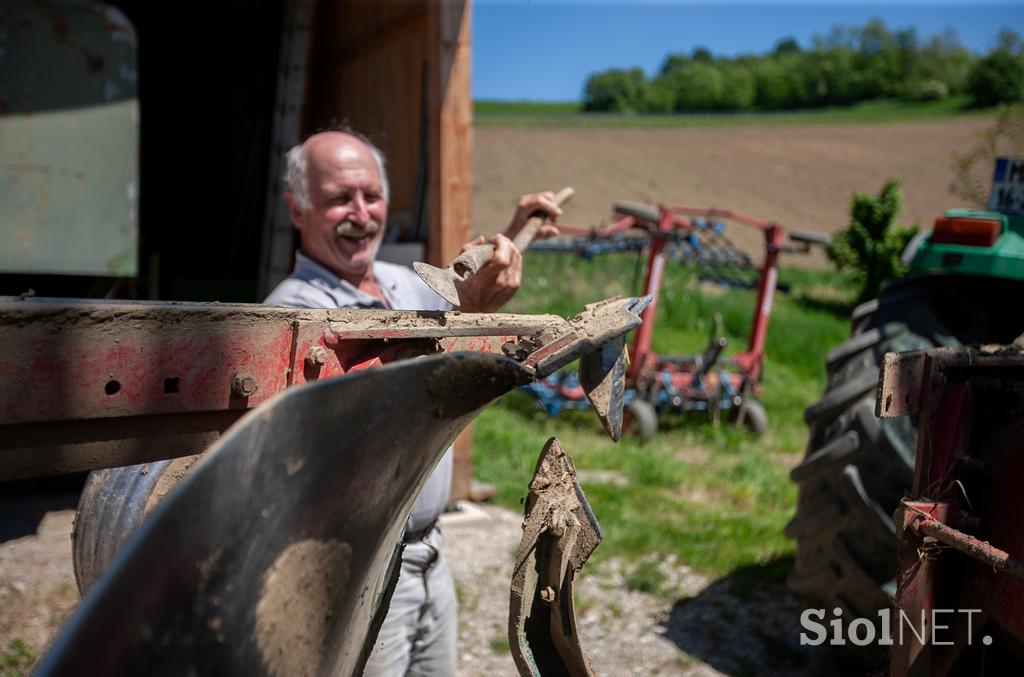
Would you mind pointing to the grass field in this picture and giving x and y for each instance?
(570, 114)
(715, 498)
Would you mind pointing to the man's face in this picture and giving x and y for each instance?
(343, 227)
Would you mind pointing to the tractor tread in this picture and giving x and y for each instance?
(838, 451)
(842, 395)
(828, 518)
(867, 510)
(862, 342)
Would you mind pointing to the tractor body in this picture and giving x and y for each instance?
(966, 277)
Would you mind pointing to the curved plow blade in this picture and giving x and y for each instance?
(276, 555)
(559, 534)
(603, 377)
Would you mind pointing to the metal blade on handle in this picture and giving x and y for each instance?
(443, 280)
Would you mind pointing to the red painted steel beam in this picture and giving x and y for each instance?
(93, 384)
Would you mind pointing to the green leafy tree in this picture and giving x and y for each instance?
(616, 90)
(673, 62)
(702, 55)
(871, 245)
(697, 86)
(660, 98)
(787, 45)
(998, 78)
(944, 59)
(738, 88)
(780, 83)
(847, 65)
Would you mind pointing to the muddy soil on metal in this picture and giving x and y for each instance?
(800, 176)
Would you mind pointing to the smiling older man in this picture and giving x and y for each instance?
(337, 192)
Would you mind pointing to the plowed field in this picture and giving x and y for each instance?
(800, 176)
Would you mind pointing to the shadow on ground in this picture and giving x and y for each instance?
(24, 503)
(748, 623)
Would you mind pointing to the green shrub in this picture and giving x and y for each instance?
(998, 78)
(616, 90)
(871, 246)
(698, 87)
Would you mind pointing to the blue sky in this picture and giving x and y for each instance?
(544, 49)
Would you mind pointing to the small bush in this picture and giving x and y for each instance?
(616, 90)
(871, 245)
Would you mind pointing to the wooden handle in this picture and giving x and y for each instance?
(471, 260)
(525, 236)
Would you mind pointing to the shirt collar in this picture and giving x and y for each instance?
(313, 271)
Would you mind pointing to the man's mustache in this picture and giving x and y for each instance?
(350, 229)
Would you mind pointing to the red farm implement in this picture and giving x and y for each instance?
(660, 384)
(960, 594)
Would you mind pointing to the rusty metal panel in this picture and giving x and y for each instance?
(899, 384)
(69, 119)
(961, 547)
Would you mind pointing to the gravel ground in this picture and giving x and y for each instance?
(37, 584)
(736, 625)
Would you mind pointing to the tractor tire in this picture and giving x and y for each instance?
(640, 420)
(858, 467)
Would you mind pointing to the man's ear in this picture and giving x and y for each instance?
(295, 210)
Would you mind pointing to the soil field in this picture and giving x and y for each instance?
(800, 176)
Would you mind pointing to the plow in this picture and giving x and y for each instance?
(240, 524)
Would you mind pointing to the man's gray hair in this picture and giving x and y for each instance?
(296, 176)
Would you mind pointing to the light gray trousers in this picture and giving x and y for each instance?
(418, 633)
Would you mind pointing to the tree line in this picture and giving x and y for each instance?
(846, 66)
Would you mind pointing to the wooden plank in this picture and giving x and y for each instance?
(367, 73)
(451, 118)
(450, 203)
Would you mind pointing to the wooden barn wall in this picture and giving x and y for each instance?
(369, 62)
(452, 127)
(366, 71)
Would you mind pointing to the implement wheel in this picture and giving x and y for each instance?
(755, 418)
(640, 419)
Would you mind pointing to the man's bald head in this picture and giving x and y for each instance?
(337, 199)
(296, 172)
